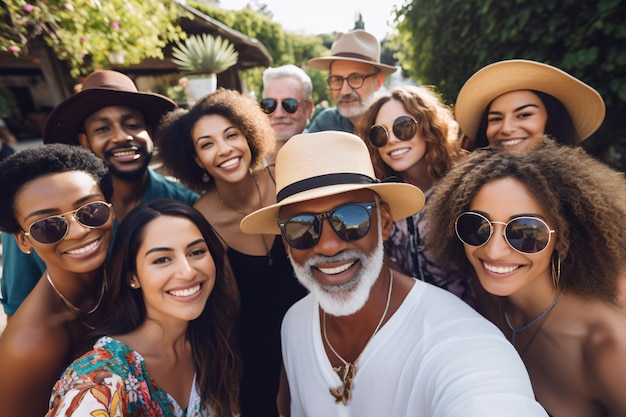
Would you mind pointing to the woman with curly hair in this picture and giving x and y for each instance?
(412, 135)
(166, 346)
(217, 148)
(545, 232)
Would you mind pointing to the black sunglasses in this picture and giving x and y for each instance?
(290, 105)
(53, 229)
(404, 128)
(350, 221)
(525, 234)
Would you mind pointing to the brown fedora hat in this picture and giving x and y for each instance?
(584, 104)
(102, 89)
(315, 165)
(358, 46)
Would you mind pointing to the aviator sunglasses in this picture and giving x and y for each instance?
(53, 229)
(404, 128)
(525, 234)
(350, 221)
(290, 105)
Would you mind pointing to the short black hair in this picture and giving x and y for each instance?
(31, 163)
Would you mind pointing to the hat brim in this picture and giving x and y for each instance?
(65, 121)
(404, 200)
(583, 103)
(323, 63)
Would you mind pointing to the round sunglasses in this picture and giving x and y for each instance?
(525, 234)
(53, 229)
(350, 221)
(404, 128)
(290, 105)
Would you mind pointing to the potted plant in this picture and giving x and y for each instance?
(202, 57)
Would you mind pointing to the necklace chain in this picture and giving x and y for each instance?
(347, 372)
(70, 306)
(258, 190)
(527, 326)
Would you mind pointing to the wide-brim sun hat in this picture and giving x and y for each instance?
(315, 165)
(584, 104)
(102, 89)
(357, 46)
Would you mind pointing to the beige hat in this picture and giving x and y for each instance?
(314, 165)
(583, 103)
(358, 46)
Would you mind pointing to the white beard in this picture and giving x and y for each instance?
(349, 297)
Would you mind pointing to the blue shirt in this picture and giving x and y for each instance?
(21, 272)
(330, 119)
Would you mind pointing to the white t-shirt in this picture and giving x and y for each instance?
(435, 357)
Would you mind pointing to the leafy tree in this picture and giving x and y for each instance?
(450, 40)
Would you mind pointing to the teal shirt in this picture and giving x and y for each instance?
(21, 272)
(330, 119)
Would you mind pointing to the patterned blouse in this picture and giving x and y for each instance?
(112, 381)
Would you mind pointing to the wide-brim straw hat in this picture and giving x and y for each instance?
(357, 46)
(102, 89)
(584, 104)
(315, 165)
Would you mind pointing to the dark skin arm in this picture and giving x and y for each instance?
(283, 399)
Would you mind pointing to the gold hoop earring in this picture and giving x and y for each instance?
(556, 269)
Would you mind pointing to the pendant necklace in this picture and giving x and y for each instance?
(544, 313)
(347, 371)
(78, 312)
(244, 214)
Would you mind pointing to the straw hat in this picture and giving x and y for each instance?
(314, 165)
(358, 46)
(583, 103)
(102, 89)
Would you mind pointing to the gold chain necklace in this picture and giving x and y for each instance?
(258, 190)
(347, 371)
(71, 307)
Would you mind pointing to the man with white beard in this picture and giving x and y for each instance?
(367, 340)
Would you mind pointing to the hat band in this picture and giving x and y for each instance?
(357, 56)
(323, 181)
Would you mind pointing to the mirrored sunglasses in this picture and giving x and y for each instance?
(525, 234)
(53, 229)
(290, 105)
(404, 128)
(350, 221)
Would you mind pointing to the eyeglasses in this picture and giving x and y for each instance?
(525, 234)
(290, 105)
(355, 81)
(404, 128)
(53, 229)
(350, 221)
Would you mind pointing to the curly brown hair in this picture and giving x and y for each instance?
(435, 123)
(583, 197)
(176, 144)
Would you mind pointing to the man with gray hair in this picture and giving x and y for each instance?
(288, 102)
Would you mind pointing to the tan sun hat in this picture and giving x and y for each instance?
(358, 46)
(314, 165)
(584, 104)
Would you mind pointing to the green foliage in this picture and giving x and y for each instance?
(8, 104)
(85, 32)
(451, 39)
(204, 54)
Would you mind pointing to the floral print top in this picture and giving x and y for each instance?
(111, 380)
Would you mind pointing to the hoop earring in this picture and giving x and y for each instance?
(205, 177)
(556, 269)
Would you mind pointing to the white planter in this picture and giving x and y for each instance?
(200, 87)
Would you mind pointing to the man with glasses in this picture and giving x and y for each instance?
(115, 121)
(354, 75)
(367, 340)
(288, 102)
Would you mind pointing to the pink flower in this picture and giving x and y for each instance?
(28, 8)
(69, 7)
(63, 54)
(115, 25)
(83, 39)
(13, 48)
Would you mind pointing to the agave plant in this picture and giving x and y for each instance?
(204, 54)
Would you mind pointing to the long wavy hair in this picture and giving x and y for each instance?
(175, 141)
(436, 126)
(584, 199)
(212, 334)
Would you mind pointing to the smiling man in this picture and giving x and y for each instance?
(367, 340)
(115, 121)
